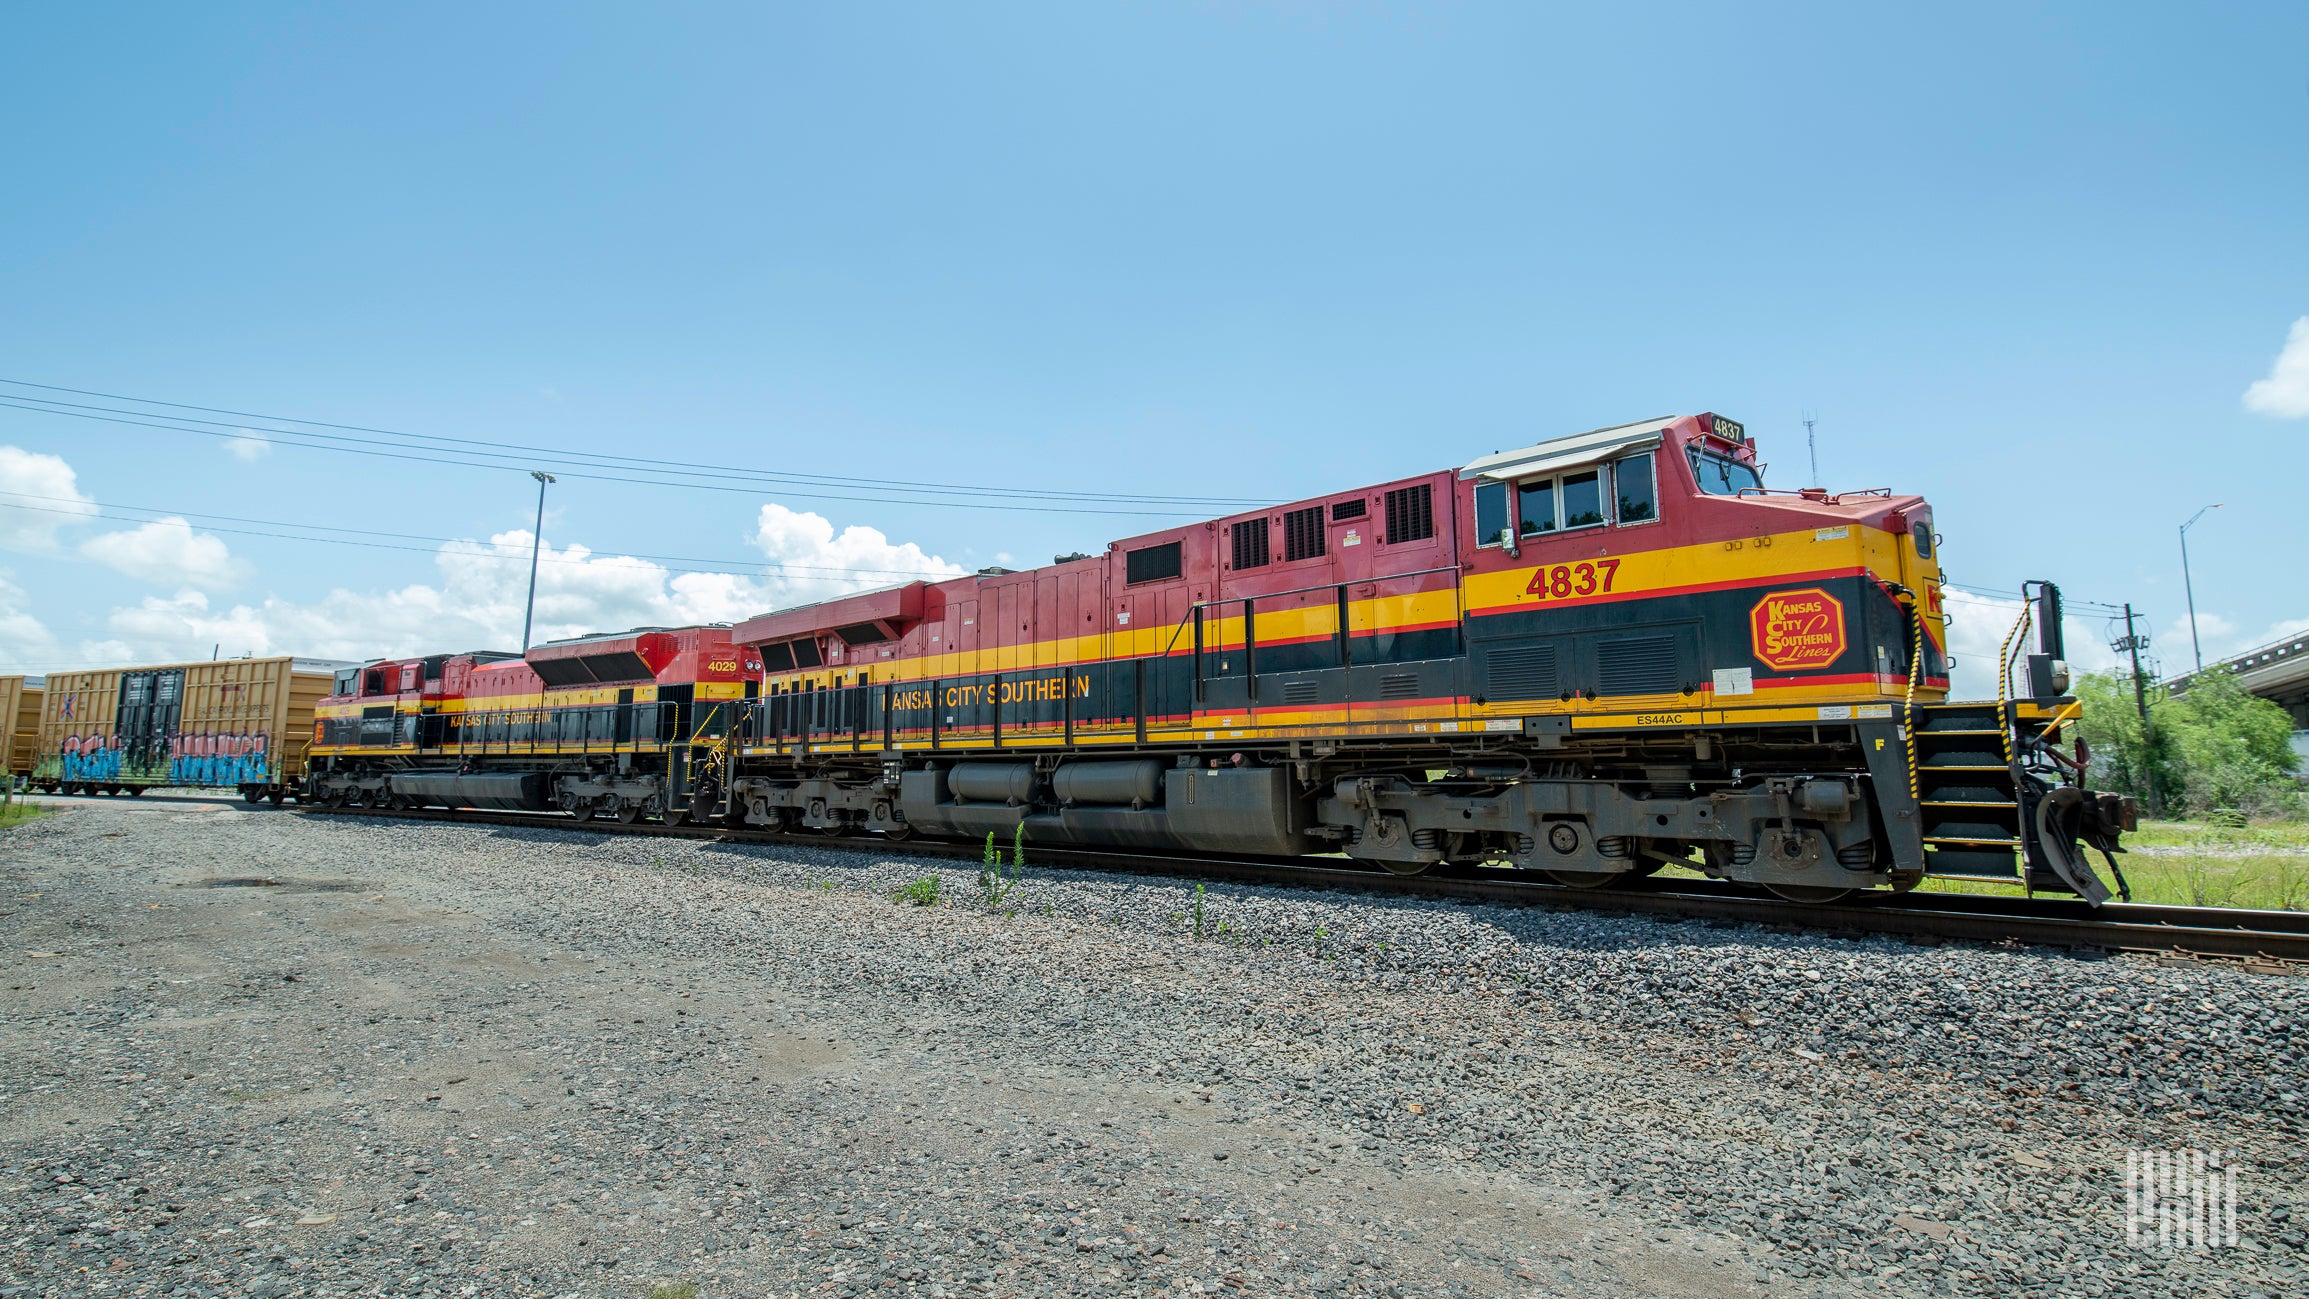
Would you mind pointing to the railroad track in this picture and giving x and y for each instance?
(2275, 942)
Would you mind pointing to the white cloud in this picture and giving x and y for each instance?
(247, 446)
(476, 599)
(808, 562)
(39, 496)
(2285, 393)
(166, 552)
(24, 643)
(1978, 626)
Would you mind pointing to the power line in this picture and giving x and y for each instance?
(529, 455)
(482, 549)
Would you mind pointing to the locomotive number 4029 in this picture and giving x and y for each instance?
(1566, 580)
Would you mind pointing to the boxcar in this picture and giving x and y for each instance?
(240, 724)
(20, 715)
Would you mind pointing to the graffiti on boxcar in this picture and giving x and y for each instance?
(219, 760)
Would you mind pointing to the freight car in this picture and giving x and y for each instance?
(20, 716)
(230, 724)
(595, 726)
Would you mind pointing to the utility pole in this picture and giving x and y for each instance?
(536, 539)
(2190, 587)
(2132, 646)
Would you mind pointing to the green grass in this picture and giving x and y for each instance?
(674, 1290)
(2186, 864)
(21, 810)
(2190, 864)
(922, 892)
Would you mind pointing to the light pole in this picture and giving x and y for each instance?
(2186, 585)
(537, 539)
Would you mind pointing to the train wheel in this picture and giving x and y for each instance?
(277, 796)
(252, 793)
(1814, 895)
(676, 815)
(136, 791)
(628, 812)
(1581, 879)
(1408, 867)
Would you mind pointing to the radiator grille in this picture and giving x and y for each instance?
(1404, 685)
(1411, 514)
(1303, 534)
(1300, 692)
(1524, 672)
(1250, 537)
(1638, 665)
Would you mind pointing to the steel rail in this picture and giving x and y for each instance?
(2271, 941)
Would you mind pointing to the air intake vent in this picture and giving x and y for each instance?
(1341, 511)
(1525, 672)
(1410, 514)
(1401, 685)
(1250, 537)
(1152, 563)
(1639, 665)
(1303, 534)
(1300, 692)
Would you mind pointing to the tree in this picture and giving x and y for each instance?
(2214, 747)
(2231, 749)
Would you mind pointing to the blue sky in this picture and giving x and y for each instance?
(2025, 260)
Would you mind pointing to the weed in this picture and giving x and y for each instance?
(674, 1290)
(1018, 845)
(993, 885)
(1198, 909)
(1226, 927)
(922, 892)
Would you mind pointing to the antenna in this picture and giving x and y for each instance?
(1812, 445)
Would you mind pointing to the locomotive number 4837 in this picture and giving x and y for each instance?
(1566, 580)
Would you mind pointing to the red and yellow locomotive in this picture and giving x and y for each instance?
(600, 725)
(1589, 658)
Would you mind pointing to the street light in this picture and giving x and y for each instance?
(2190, 587)
(537, 538)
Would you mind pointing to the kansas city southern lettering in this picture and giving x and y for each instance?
(1798, 631)
(1035, 690)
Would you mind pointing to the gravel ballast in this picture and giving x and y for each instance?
(458, 1060)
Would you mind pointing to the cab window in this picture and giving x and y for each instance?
(1491, 514)
(1719, 476)
(1535, 507)
(1583, 499)
(1625, 491)
(1639, 496)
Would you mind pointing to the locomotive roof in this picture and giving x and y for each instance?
(1568, 451)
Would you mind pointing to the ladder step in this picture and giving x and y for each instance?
(1932, 766)
(1926, 735)
(1954, 802)
(1971, 840)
